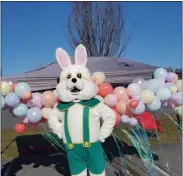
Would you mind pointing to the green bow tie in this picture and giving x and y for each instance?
(86, 103)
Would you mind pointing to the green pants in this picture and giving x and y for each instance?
(91, 158)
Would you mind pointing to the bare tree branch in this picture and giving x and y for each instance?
(99, 26)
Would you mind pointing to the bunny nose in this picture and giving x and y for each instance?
(74, 80)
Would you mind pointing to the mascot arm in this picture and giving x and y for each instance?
(55, 122)
(109, 119)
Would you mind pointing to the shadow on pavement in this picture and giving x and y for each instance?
(35, 150)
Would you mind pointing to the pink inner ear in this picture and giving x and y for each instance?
(81, 57)
(63, 58)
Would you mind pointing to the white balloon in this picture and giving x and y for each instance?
(45, 112)
(153, 85)
(133, 121)
(163, 93)
(139, 109)
(155, 105)
(125, 119)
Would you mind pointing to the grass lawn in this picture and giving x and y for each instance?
(9, 149)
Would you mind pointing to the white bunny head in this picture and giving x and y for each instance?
(75, 80)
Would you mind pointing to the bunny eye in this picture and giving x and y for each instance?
(79, 75)
(69, 76)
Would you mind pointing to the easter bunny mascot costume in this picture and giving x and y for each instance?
(77, 119)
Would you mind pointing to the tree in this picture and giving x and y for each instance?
(99, 26)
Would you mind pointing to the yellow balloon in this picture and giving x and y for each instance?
(98, 78)
(147, 96)
(45, 112)
(173, 89)
(179, 85)
(5, 88)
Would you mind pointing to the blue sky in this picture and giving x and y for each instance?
(31, 31)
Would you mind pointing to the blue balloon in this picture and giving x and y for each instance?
(160, 73)
(34, 115)
(2, 102)
(21, 88)
(20, 111)
(139, 109)
(169, 84)
(153, 85)
(155, 105)
(12, 100)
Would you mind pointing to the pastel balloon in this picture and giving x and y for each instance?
(100, 98)
(35, 100)
(105, 89)
(175, 78)
(2, 102)
(20, 110)
(161, 81)
(153, 85)
(173, 89)
(45, 112)
(139, 81)
(170, 76)
(179, 85)
(22, 90)
(20, 128)
(133, 121)
(121, 93)
(118, 118)
(139, 109)
(169, 84)
(110, 100)
(163, 93)
(121, 107)
(98, 78)
(160, 73)
(133, 89)
(147, 96)
(12, 100)
(5, 88)
(179, 100)
(175, 96)
(136, 97)
(133, 103)
(171, 104)
(34, 115)
(155, 105)
(48, 99)
(144, 85)
(125, 119)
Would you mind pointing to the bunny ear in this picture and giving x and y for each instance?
(63, 58)
(81, 55)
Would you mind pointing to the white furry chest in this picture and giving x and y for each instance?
(76, 125)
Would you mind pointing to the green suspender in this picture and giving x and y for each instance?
(86, 133)
(70, 145)
(86, 130)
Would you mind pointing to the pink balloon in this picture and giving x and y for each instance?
(35, 101)
(105, 89)
(48, 99)
(175, 79)
(121, 93)
(133, 89)
(110, 100)
(118, 117)
(162, 81)
(121, 107)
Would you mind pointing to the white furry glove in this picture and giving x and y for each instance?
(102, 139)
(55, 118)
